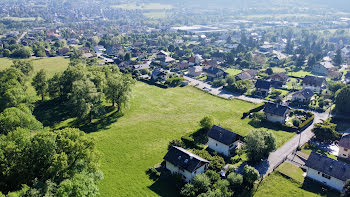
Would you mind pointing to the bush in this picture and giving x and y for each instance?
(235, 180)
(207, 123)
(153, 173)
(177, 143)
(250, 175)
(296, 122)
(216, 163)
(188, 190)
(188, 141)
(212, 175)
(201, 182)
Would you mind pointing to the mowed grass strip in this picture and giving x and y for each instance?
(139, 139)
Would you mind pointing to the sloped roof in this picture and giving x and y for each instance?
(331, 167)
(280, 76)
(213, 70)
(275, 109)
(345, 141)
(184, 159)
(307, 93)
(222, 135)
(262, 84)
(312, 80)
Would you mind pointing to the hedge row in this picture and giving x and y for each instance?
(257, 109)
(301, 127)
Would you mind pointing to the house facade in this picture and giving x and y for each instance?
(313, 83)
(223, 141)
(276, 113)
(195, 71)
(214, 73)
(262, 87)
(323, 68)
(327, 171)
(303, 96)
(181, 161)
(344, 146)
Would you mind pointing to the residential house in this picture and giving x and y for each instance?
(214, 73)
(167, 60)
(303, 96)
(182, 65)
(223, 141)
(162, 54)
(262, 87)
(146, 65)
(246, 75)
(63, 51)
(344, 146)
(276, 112)
(181, 161)
(279, 79)
(195, 71)
(323, 68)
(313, 83)
(327, 171)
(159, 75)
(99, 50)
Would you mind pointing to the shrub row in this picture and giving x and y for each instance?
(257, 109)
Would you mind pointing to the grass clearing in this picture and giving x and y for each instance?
(144, 6)
(51, 65)
(300, 74)
(278, 70)
(232, 71)
(292, 171)
(22, 19)
(155, 15)
(139, 139)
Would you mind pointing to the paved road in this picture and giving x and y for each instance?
(21, 37)
(279, 156)
(219, 91)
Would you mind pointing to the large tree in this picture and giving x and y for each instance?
(65, 161)
(40, 84)
(25, 66)
(12, 118)
(118, 89)
(338, 60)
(258, 144)
(85, 99)
(342, 102)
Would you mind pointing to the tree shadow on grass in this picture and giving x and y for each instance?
(55, 111)
(52, 112)
(317, 188)
(102, 122)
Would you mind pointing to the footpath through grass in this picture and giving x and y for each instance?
(139, 139)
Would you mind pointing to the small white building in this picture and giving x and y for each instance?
(313, 83)
(223, 141)
(195, 71)
(344, 146)
(327, 171)
(276, 112)
(181, 161)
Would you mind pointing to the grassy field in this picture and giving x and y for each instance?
(278, 70)
(51, 65)
(292, 171)
(19, 19)
(155, 15)
(139, 139)
(300, 74)
(233, 72)
(277, 185)
(144, 6)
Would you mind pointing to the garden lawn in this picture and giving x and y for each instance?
(139, 139)
(300, 74)
(292, 171)
(51, 65)
(277, 185)
(144, 6)
(232, 71)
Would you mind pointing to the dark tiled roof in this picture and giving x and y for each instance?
(222, 135)
(184, 159)
(247, 75)
(307, 93)
(276, 109)
(214, 70)
(314, 81)
(331, 167)
(262, 84)
(345, 141)
(279, 76)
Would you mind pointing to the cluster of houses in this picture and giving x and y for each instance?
(181, 161)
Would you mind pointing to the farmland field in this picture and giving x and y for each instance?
(50, 65)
